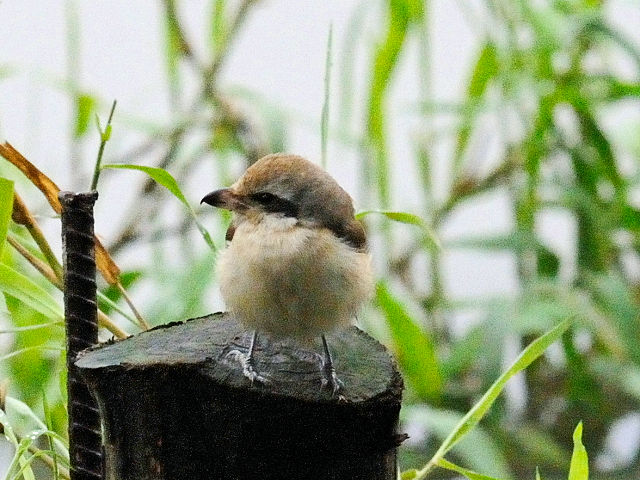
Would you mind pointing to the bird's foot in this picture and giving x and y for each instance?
(248, 366)
(330, 381)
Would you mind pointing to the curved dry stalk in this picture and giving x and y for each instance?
(49, 274)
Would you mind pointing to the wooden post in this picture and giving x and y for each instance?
(175, 407)
(81, 327)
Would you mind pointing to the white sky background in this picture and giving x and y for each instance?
(280, 53)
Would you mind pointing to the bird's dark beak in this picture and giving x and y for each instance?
(224, 198)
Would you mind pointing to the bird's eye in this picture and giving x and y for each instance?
(264, 197)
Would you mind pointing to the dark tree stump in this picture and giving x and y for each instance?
(174, 407)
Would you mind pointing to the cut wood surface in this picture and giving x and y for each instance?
(175, 406)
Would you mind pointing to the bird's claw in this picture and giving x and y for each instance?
(248, 367)
(330, 381)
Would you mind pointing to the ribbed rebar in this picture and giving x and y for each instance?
(81, 325)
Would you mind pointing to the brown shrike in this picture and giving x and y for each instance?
(297, 264)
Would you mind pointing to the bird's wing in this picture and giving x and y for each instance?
(353, 234)
(230, 231)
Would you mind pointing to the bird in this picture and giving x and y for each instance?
(296, 264)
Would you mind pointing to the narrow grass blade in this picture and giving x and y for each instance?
(32, 327)
(410, 219)
(15, 353)
(6, 207)
(165, 179)
(463, 471)
(579, 469)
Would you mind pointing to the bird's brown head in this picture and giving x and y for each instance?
(286, 185)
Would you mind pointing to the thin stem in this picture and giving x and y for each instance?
(38, 264)
(233, 29)
(48, 273)
(62, 472)
(104, 138)
(107, 323)
(23, 216)
(324, 122)
(142, 322)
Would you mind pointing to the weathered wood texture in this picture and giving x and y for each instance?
(174, 407)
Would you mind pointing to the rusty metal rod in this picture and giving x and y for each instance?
(81, 325)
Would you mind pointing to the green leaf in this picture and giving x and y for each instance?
(85, 106)
(467, 473)
(486, 68)
(408, 218)
(409, 474)
(471, 419)
(6, 207)
(165, 179)
(538, 474)
(25, 290)
(414, 348)
(579, 469)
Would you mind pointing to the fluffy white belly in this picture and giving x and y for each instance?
(292, 282)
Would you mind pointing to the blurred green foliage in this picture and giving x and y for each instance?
(546, 76)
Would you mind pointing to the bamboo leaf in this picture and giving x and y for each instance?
(477, 412)
(165, 179)
(579, 469)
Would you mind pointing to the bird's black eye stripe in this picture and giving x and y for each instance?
(264, 197)
(274, 204)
